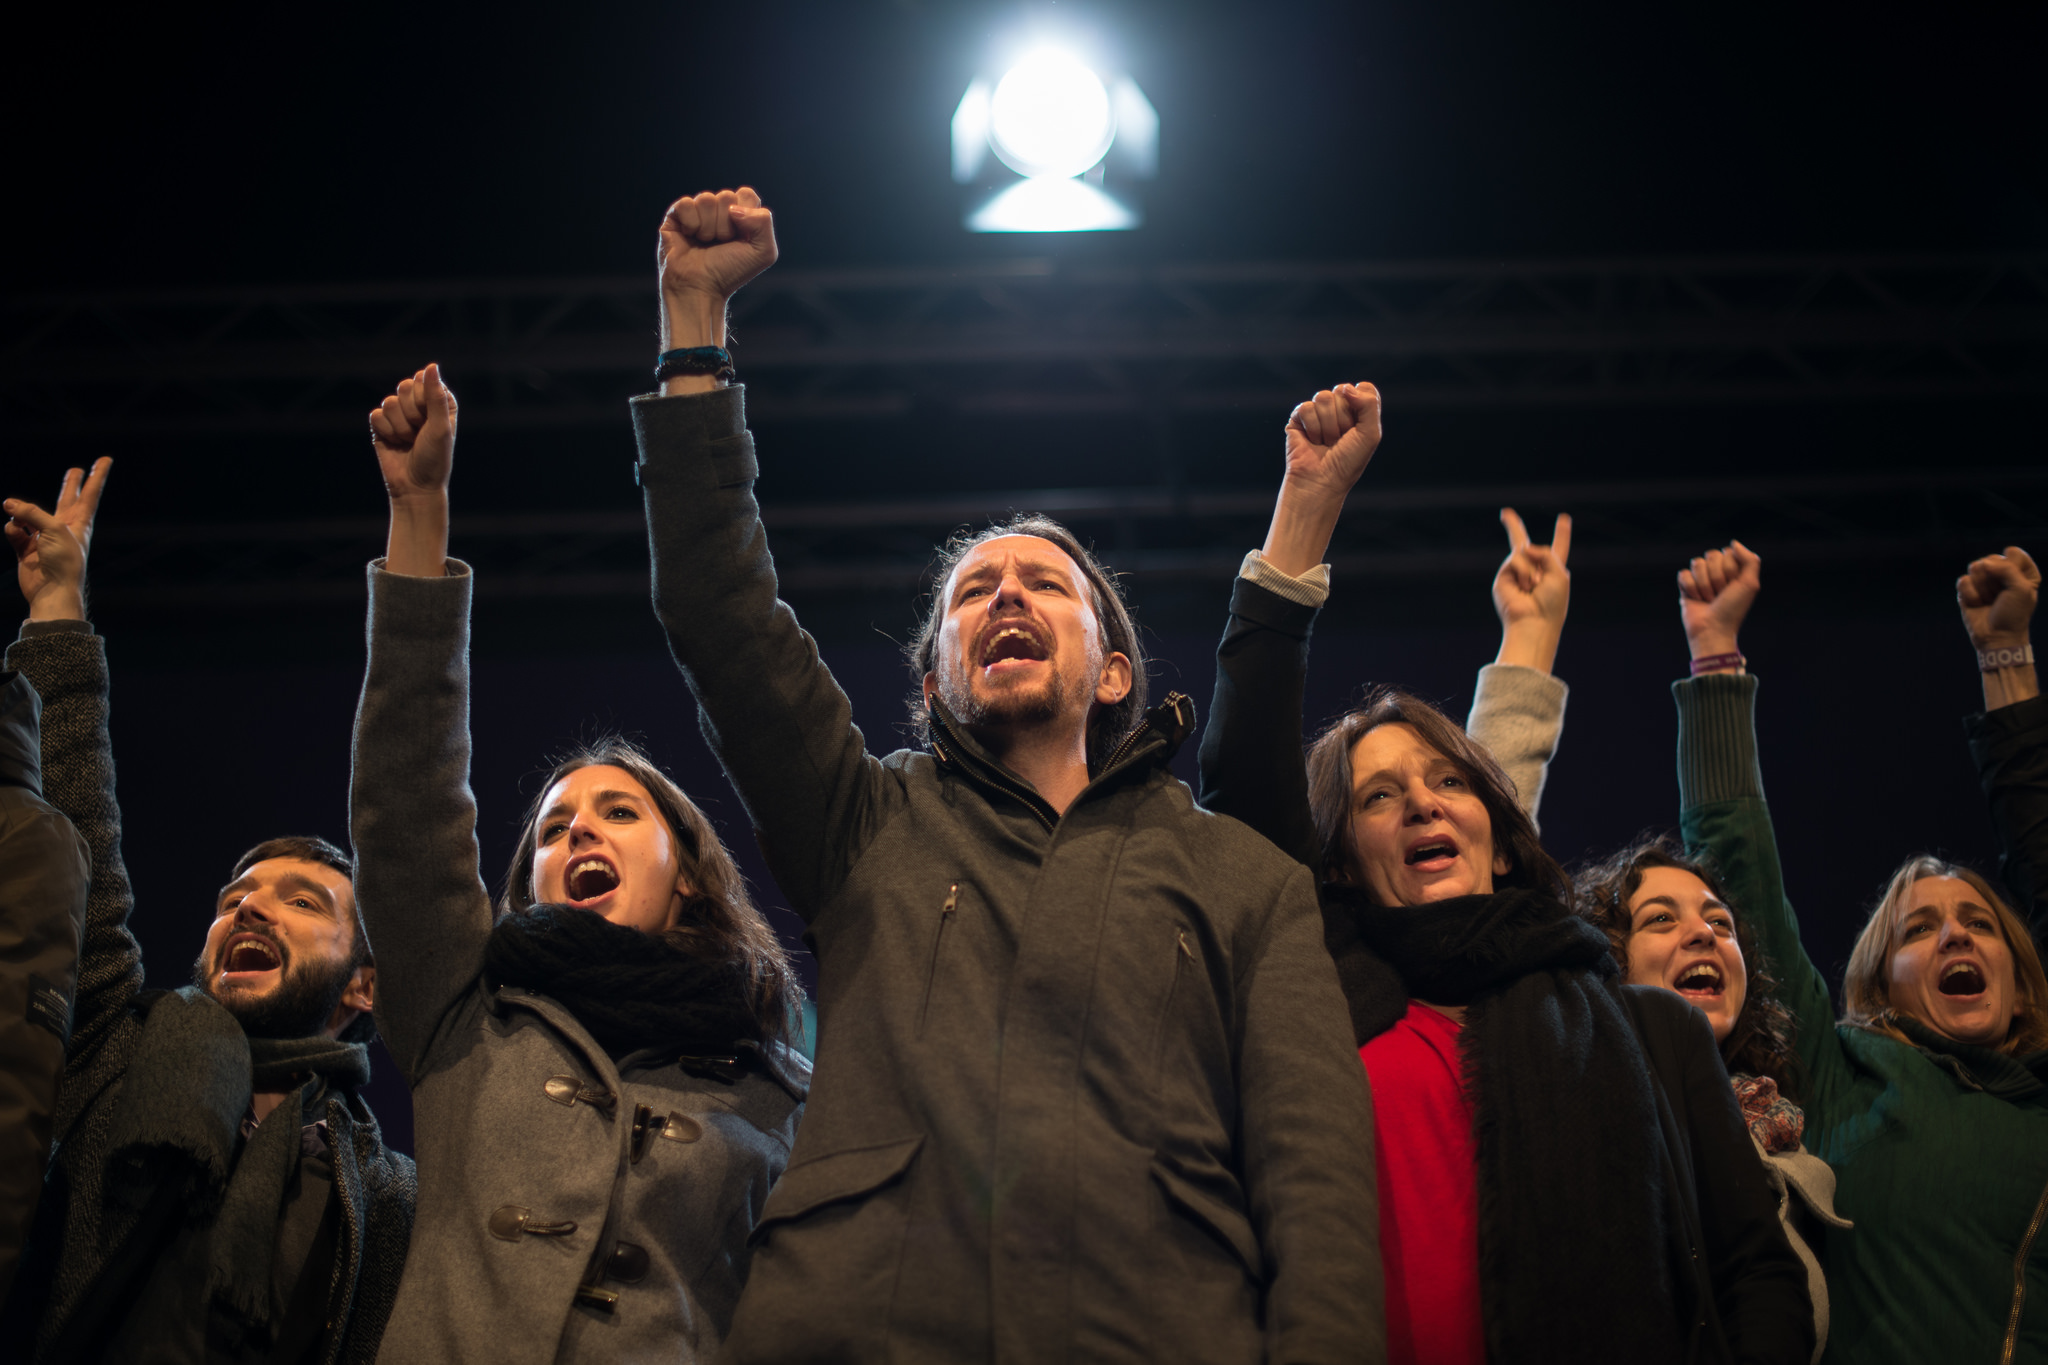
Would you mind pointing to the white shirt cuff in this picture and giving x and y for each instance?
(1312, 589)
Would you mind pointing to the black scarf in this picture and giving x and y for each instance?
(177, 1123)
(630, 990)
(1574, 1259)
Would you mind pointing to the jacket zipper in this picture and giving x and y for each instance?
(1183, 961)
(938, 941)
(2019, 1280)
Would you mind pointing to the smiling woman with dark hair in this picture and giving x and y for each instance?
(602, 1079)
(1563, 1173)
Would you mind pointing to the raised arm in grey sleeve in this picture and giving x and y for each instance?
(67, 664)
(412, 816)
(769, 707)
(1518, 715)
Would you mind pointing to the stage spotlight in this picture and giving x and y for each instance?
(1056, 123)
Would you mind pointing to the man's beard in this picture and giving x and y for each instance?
(299, 1006)
(1004, 707)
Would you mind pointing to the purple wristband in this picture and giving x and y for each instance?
(1710, 662)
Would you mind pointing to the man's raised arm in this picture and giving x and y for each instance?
(768, 705)
(67, 664)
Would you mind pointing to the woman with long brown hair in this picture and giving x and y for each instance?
(603, 1085)
(1562, 1169)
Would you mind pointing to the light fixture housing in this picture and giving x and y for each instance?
(1060, 126)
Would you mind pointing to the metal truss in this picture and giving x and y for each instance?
(1152, 535)
(1036, 337)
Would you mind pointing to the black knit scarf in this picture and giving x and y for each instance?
(177, 1124)
(630, 990)
(1574, 1259)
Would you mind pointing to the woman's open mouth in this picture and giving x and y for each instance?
(590, 880)
(1961, 978)
(1701, 981)
(1434, 855)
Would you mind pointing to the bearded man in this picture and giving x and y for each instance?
(1086, 1088)
(220, 1191)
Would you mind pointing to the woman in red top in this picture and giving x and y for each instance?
(1564, 1173)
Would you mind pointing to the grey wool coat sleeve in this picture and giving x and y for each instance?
(1085, 1085)
(43, 877)
(1518, 716)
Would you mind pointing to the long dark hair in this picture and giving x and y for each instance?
(1107, 725)
(1329, 789)
(1761, 1041)
(720, 923)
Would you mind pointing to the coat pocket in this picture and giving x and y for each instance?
(1211, 1209)
(836, 1177)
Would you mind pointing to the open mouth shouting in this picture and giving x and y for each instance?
(1701, 982)
(1435, 853)
(1962, 977)
(1012, 648)
(590, 879)
(248, 959)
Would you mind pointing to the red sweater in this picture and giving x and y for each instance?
(1429, 1197)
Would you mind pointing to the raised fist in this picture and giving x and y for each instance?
(1714, 595)
(711, 244)
(414, 433)
(50, 548)
(1331, 438)
(1997, 595)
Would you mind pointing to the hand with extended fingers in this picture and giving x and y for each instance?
(1532, 592)
(711, 245)
(1998, 594)
(50, 548)
(413, 431)
(1715, 593)
(1330, 441)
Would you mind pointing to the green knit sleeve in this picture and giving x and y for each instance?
(1725, 821)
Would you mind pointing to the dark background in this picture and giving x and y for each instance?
(376, 142)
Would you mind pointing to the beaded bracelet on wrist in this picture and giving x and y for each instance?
(715, 361)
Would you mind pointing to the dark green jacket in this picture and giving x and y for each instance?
(1085, 1088)
(1940, 1152)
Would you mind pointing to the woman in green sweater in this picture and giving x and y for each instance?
(1930, 1098)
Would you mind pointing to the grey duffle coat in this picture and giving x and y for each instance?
(570, 1208)
(1086, 1089)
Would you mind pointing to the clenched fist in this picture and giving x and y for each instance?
(711, 244)
(1331, 437)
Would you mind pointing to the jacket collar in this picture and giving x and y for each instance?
(2000, 1074)
(1151, 745)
